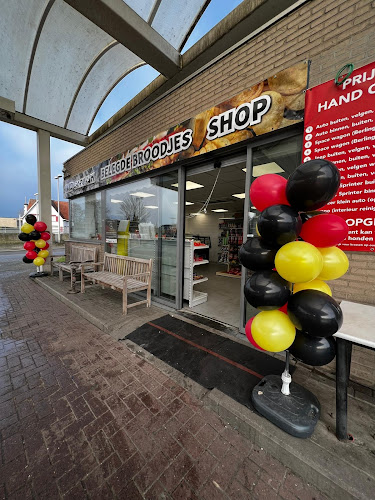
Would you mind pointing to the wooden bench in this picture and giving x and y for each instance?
(126, 274)
(78, 255)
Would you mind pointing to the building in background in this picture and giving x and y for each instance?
(59, 221)
(9, 224)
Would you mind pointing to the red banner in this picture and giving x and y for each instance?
(340, 127)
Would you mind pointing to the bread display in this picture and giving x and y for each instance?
(290, 81)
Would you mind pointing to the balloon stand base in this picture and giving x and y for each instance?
(297, 414)
(38, 274)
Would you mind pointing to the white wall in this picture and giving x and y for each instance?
(206, 225)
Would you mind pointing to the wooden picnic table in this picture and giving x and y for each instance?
(359, 329)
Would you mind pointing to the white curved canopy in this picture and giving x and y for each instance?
(60, 59)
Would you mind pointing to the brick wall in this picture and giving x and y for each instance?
(330, 33)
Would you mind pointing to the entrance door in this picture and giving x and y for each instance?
(214, 216)
(282, 158)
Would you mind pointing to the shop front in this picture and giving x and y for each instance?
(181, 197)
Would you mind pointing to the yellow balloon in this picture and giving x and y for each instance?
(335, 263)
(45, 253)
(27, 228)
(298, 262)
(40, 243)
(311, 285)
(38, 261)
(257, 230)
(273, 331)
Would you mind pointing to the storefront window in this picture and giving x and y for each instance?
(141, 221)
(86, 218)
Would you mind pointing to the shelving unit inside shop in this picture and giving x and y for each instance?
(230, 240)
(195, 257)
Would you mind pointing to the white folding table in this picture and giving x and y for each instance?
(358, 328)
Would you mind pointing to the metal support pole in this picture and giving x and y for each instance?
(180, 237)
(44, 185)
(58, 207)
(343, 359)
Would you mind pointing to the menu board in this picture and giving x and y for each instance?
(340, 127)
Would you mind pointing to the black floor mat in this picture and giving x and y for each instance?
(209, 359)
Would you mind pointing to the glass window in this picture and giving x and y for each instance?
(141, 221)
(86, 217)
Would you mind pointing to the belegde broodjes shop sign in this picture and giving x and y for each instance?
(340, 127)
(272, 104)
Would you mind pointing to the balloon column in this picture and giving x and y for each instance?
(291, 258)
(36, 238)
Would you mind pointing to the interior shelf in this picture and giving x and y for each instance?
(200, 262)
(200, 280)
(198, 298)
(193, 296)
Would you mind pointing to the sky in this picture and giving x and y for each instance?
(18, 147)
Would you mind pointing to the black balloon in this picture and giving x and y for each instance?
(313, 351)
(34, 235)
(24, 237)
(312, 185)
(266, 290)
(31, 219)
(315, 313)
(279, 224)
(257, 255)
(26, 260)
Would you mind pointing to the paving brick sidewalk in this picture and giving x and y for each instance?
(81, 416)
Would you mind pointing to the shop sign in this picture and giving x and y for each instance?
(340, 127)
(272, 104)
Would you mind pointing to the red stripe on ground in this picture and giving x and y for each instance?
(223, 358)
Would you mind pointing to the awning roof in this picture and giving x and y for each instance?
(58, 66)
(60, 59)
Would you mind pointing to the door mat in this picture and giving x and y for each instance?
(209, 359)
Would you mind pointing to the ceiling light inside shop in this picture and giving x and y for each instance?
(186, 203)
(116, 201)
(151, 206)
(226, 218)
(219, 210)
(141, 195)
(190, 185)
(266, 168)
(239, 195)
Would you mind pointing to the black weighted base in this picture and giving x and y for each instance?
(296, 414)
(38, 274)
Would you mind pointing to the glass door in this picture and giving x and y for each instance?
(278, 157)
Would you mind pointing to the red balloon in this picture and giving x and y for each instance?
(31, 255)
(326, 230)
(45, 236)
(284, 309)
(40, 226)
(29, 245)
(268, 190)
(47, 246)
(249, 335)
